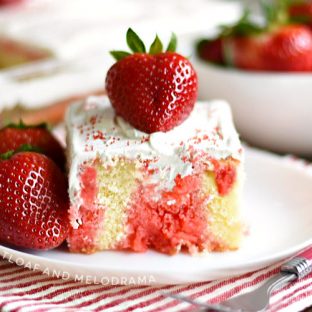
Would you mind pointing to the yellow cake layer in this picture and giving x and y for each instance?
(118, 182)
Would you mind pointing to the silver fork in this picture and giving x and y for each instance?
(258, 300)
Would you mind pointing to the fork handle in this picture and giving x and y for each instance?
(301, 264)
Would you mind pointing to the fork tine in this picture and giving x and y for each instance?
(206, 306)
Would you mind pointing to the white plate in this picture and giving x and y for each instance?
(278, 205)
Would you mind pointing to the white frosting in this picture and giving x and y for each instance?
(94, 131)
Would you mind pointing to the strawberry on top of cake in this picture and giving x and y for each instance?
(149, 167)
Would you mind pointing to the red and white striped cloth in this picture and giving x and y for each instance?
(25, 290)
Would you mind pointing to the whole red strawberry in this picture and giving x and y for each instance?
(14, 136)
(33, 201)
(153, 91)
(286, 48)
(289, 48)
(245, 52)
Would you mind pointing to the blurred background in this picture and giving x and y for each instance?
(53, 52)
(76, 35)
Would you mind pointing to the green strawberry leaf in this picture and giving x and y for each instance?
(7, 155)
(302, 19)
(134, 42)
(172, 46)
(275, 13)
(22, 148)
(29, 148)
(119, 55)
(22, 125)
(244, 27)
(136, 45)
(268, 11)
(156, 46)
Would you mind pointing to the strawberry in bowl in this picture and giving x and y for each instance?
(278, 45)
(268, 67)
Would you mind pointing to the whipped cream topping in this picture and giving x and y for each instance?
(95, 132)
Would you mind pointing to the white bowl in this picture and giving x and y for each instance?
(271, 110)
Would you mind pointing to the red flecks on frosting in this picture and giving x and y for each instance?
(145, 139)
(99, 135)
(93, 120)
(219, 132)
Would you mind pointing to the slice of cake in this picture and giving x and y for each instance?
(149, 168)
(165, 190)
